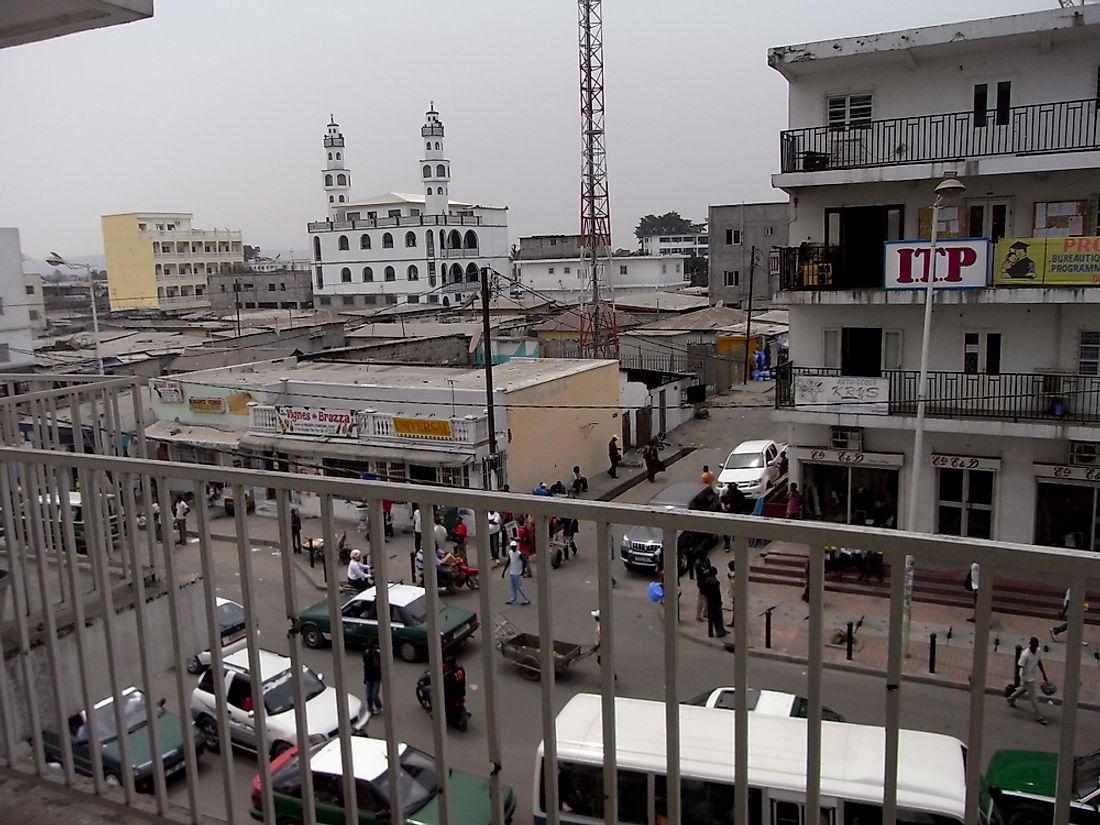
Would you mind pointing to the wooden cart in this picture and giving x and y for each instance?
(524, 650)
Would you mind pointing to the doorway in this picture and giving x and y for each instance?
(855, 236)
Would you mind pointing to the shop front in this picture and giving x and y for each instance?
(1066, 506)
(849, 486)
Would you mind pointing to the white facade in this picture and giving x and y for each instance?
(687, 245)
(1014, 362)
(399, 248)
(16, 337)
(36, 302)
(624, 272)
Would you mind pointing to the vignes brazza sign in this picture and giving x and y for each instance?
(317, 421)
(960, 264)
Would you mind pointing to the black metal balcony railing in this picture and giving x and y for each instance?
(1011, 396)
(821, 267)
(1039, 128)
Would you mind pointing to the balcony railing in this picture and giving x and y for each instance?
(124, 605)
(373, 427)
(414, 220)
(469, 252)
(821, 267)
(1008, 396)
(1039, 128)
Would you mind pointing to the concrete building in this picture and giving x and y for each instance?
(1008, 105)
(157, 259)
(16, 337)
(399, 248)
(36, 302)
(736, 230)
(260, 289)
(571, 275)
(694, 245)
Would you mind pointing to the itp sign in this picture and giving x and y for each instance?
(960, 264)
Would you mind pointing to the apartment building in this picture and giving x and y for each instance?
(742, 251)
(36, 302)
(158, 259)
(1008, 107)
(690, 245)
(246, 288)
(16, 337)
(398, 248)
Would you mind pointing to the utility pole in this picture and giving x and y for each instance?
(237, 304)
(489, 478)
(748, 316)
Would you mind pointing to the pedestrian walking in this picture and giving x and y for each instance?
(295, 530)
(794, 502)
(514, 569)
(418, 538)
(525, 539)
(372, 677)
(712, 589)
(461, 532)
(494, 535)
(972, 583)
(598, 639)
(179, 517)
(732, 500)
(569, 530)
(614, 455)
(652, 458)
(730, 583)
(1028, 663)
(706, 477)
(387, 519)
(701, 597)
(439, 535)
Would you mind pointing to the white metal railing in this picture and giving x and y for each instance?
(82, 627)
(370, 427)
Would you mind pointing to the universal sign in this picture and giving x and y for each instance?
(960, 264)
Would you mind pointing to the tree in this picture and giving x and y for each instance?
(697, 269)
(670, 223)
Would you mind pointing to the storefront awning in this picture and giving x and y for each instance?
(324, 448)
(194, 435)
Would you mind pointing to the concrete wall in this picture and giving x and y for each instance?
(15, 321)
(279, 289)
(131, 280)
(763, 225)
(453, 349)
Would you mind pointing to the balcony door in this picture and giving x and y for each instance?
(989, 218)
(854, 236)
(862, 351)
(981, 389)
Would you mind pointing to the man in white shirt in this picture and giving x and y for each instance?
(358, 573)
(179, 515)
(514, 569)
(494, 535)
(1029, 662)
(418, 537)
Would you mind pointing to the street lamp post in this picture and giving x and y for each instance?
(56, 260)
(948, 189)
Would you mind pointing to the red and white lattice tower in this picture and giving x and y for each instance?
(599, 336)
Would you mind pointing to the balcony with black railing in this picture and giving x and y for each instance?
(1052, 397)
(823, 267)
(1038, 128)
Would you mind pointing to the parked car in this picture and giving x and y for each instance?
(408, 621)
(231, 629)
(76, 507)
(170, 731)
(752, 467)
(1018, 788)
(642, 547)
(767, 702)
(321, 700)
(469, 793)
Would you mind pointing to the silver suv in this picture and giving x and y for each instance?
(641, 547)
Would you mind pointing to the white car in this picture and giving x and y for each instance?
(278, 697)
(766, 702)
(752, 467)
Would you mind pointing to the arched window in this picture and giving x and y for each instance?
(454, 240)
(328, 180)
(331, 199)
(316, 249)
(471, 272)
(345, 276)
(320, 278)
(387, 241)
(428, 145)
(364, 241)
(437, 144)
(410, 239)
(341, 199)
(342, 180)
(342, 242)
(368, 274)
(440, 170)
(389, 274)
(469, 240)
(338, 156)
(427, 170)
(330, 155)
(413, 274)
(159, 270)
(456, 273)
(442, 240)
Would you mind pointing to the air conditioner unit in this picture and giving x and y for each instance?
(1083, 453)
(847, 438)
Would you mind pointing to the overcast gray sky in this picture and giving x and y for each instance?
(218, 107)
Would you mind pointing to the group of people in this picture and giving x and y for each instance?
(651, 455)
(708, 605)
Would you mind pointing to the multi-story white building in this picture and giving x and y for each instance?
(36, 302)
(688, 245)
(557, 275)
(16, 337)
(157, 259)
(1008, 106)
(403, 248)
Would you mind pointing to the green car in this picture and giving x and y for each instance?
(408, 620)
(469, 793)
(1018, 788)
(169, 730)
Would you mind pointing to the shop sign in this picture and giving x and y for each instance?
(206, 405)
(1069, 261)
(965, 462)
(820, 455)
(422, 427)
(960, 264)
(316, 421)
(842, 393)
(1066, 472)
(169, 392)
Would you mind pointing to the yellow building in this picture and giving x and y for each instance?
(156, 259)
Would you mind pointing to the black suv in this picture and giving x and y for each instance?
(641, 547)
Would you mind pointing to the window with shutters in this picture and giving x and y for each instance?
(848, 111)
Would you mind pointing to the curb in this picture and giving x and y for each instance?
(634, 481)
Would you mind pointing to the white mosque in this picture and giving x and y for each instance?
(398, 248)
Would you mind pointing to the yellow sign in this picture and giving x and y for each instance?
(433, 427)
(1062, 261)
(206, 405)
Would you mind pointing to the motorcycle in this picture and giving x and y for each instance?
(464, 575)
(457, 715)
